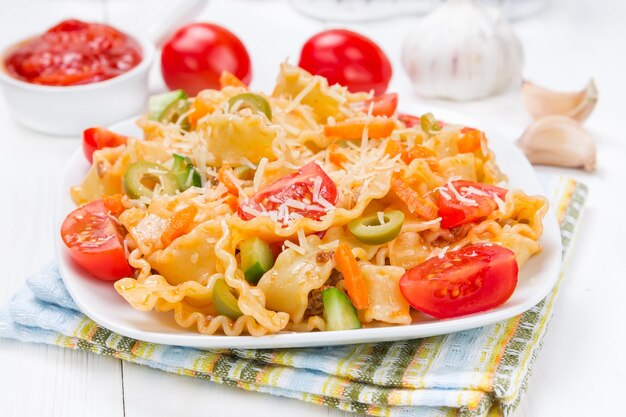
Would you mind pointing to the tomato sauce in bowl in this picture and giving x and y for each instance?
(73, 53)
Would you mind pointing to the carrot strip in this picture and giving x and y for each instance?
(113, 203)
(226, 179)
(393, 148)
(416, 204)
(470, 141)
(178, 224)
(200, 109)
(228, 79)
(419, 151)
(349, 268)
(232, 202)
(377, 128)
(335, 156)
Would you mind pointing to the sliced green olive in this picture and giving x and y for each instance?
(185, 173)
(224, 301)
(141, 178)
(430, 125)
(252, 101)
(244, 172)
(174, 111)
(369, 229)
(158, 103)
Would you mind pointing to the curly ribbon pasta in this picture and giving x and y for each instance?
(178, 276)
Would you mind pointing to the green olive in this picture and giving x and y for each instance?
(252, 101)
(174, 111)
(224, 301)
(369, 230)
(429, 124)
(158, 103)
(141, 178)
(244, 172)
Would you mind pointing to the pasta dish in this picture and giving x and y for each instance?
(311, 208)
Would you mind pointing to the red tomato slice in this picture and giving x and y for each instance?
(477, 202)
(384, 105)
(95, 242)
(96, 138)
(347, 58)
(194, 58)
(299, 186)
(409, 120)
(469, 280)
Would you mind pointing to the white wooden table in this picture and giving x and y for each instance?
(582, 367)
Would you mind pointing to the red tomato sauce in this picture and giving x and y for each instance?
(74, 53)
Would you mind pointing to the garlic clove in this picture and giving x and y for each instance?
(543, 102)
(559, 141)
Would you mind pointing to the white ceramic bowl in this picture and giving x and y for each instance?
(57, 110)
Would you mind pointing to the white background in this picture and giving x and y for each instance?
(582, 367)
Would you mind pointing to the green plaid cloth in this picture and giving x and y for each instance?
(478, 372)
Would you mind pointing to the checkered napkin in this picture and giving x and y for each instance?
(479, 372)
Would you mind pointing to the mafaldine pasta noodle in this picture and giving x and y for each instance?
(247, 213)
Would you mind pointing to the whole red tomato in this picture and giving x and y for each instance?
(347, 58)
(195, 56)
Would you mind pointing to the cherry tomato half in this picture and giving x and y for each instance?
(469, 280)
(299, 186)
(95, 242)
(409, 120)
(384, 105)
(477, 201)
(347, 58)
(96, 138)
(195, 56)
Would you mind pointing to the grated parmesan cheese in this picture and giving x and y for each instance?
(252, 211)
(444, 194)
(317, 188)
(462, 199)
(368, 119)
(332, 245)
(301, 95)
(245, 161)
(431, 222)
(325, 203)
(302, 239)
(501, 204)
(295, 247)
(291, 203)
(236, 182)
(473, 190)
(258, 175)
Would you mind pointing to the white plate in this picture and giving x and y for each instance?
(99, 300)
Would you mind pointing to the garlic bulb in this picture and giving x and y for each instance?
(543, 102)
(559, 141)
(462, 51)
